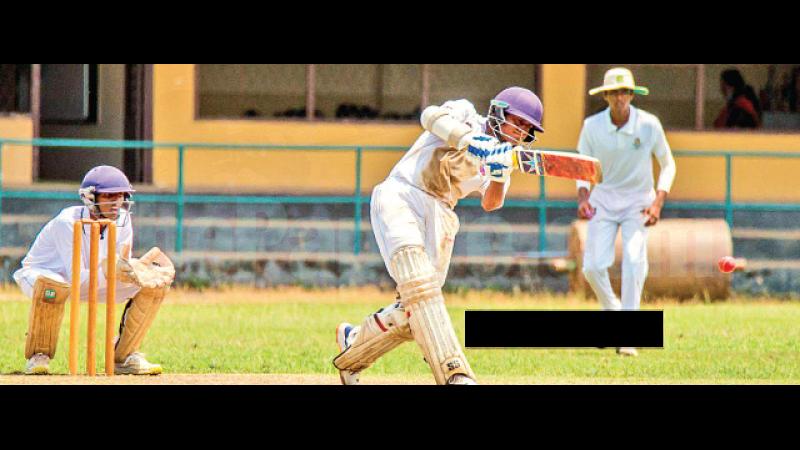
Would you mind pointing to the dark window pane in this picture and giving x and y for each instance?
(251, 90)
(368, 91)
(401, 91)
(774, 86)
(478, 83)
(348, 91)
(69, 93)
(672, 91)
(15, 88)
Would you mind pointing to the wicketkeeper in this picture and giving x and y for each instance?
(412, 216)
(46, 275)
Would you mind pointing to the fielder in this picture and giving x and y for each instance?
(624, 139)
(46, 275)
(412, 216)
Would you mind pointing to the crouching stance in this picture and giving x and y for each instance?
(45, 275)
(415, 226)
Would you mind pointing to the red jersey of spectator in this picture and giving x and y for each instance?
(741, 113)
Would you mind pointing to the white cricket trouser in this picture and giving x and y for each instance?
(403, 215)
(26, 278)
(598, 256)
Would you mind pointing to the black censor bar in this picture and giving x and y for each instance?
(566, 328)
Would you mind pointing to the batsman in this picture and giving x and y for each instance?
(412, 216)
(46, 272)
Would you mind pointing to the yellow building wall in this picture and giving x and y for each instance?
(563, 93)
(17, 159)
(279, 171)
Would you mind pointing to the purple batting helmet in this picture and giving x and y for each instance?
(106, 180)
(520, 102)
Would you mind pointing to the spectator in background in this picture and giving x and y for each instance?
(792, 90)
(742, 109)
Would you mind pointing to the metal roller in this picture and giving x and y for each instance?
(682, 254)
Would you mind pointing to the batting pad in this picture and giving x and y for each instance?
(137, 320)
(379, 334)
(47, 311)
(430, 324)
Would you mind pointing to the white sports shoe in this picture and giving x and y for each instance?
(38, 364)
(461, 379)
(136, 364)
(345, 334)
(627, 351)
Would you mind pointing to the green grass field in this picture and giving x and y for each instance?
(291, 331)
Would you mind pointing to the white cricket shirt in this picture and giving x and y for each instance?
(52, 249)
(625, 154)
(417, 159)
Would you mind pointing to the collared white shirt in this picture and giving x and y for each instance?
(625, 155)
(414, 162)
(52, 249)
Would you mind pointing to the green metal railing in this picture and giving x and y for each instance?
(181, 198)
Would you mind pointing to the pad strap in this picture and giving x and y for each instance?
(378, 334)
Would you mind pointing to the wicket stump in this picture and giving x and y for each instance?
(74, 302)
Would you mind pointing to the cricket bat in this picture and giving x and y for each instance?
(558, 164)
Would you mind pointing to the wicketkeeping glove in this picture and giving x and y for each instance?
(153, 270)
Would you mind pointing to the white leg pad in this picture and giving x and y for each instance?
(47, 311)
(421, 295)
(137, 320)
(380, 333)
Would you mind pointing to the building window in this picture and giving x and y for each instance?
(251, 90)
(401, 91)
(367, 91)
(69, 93)
(15, 87)
(673, 91)
(695, 96)
(387, 92)
(771, 90)
(478, 83)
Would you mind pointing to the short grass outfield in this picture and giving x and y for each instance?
(291, 332)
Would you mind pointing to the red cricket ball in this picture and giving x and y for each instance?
(726, 264)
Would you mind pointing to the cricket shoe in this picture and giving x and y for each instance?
(627, 351)
(345, 335)
(461, 379)
(38, 364)
(136, 364)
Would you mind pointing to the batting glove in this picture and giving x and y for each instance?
(482, 147)
(500, 165)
